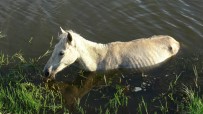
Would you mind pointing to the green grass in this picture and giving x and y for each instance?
(20, 94)
(79, 109)
(119, 99)
(183, 98)
(194, 102)
(3, 59)
(28, 98)
(142, 107)
(116, 102)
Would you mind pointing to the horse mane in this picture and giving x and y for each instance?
(79, 39)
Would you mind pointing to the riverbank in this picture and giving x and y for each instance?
(23, 91)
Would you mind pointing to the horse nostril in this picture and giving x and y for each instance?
(46, 72)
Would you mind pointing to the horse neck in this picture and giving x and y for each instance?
(91, 54)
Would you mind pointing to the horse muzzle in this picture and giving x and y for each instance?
(46, 72)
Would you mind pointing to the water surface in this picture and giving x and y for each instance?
(100, 21)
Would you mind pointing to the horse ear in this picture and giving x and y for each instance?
(63, 31)
(69, 37)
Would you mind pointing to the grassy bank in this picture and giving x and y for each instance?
(19, 91)
(23, 91)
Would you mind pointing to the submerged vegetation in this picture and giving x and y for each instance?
(23, 91)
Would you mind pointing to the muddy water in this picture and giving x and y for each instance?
(30, 25)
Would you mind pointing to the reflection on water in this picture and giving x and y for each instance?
(83, 84)
(95, 89)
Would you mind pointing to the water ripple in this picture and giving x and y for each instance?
(103, 20)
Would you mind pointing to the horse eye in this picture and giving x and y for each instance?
(170, 48)
(61, 53)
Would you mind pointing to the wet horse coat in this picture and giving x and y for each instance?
(138, 54)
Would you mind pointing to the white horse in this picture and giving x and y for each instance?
(138, 54)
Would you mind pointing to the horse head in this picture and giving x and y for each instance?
(64, 54)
